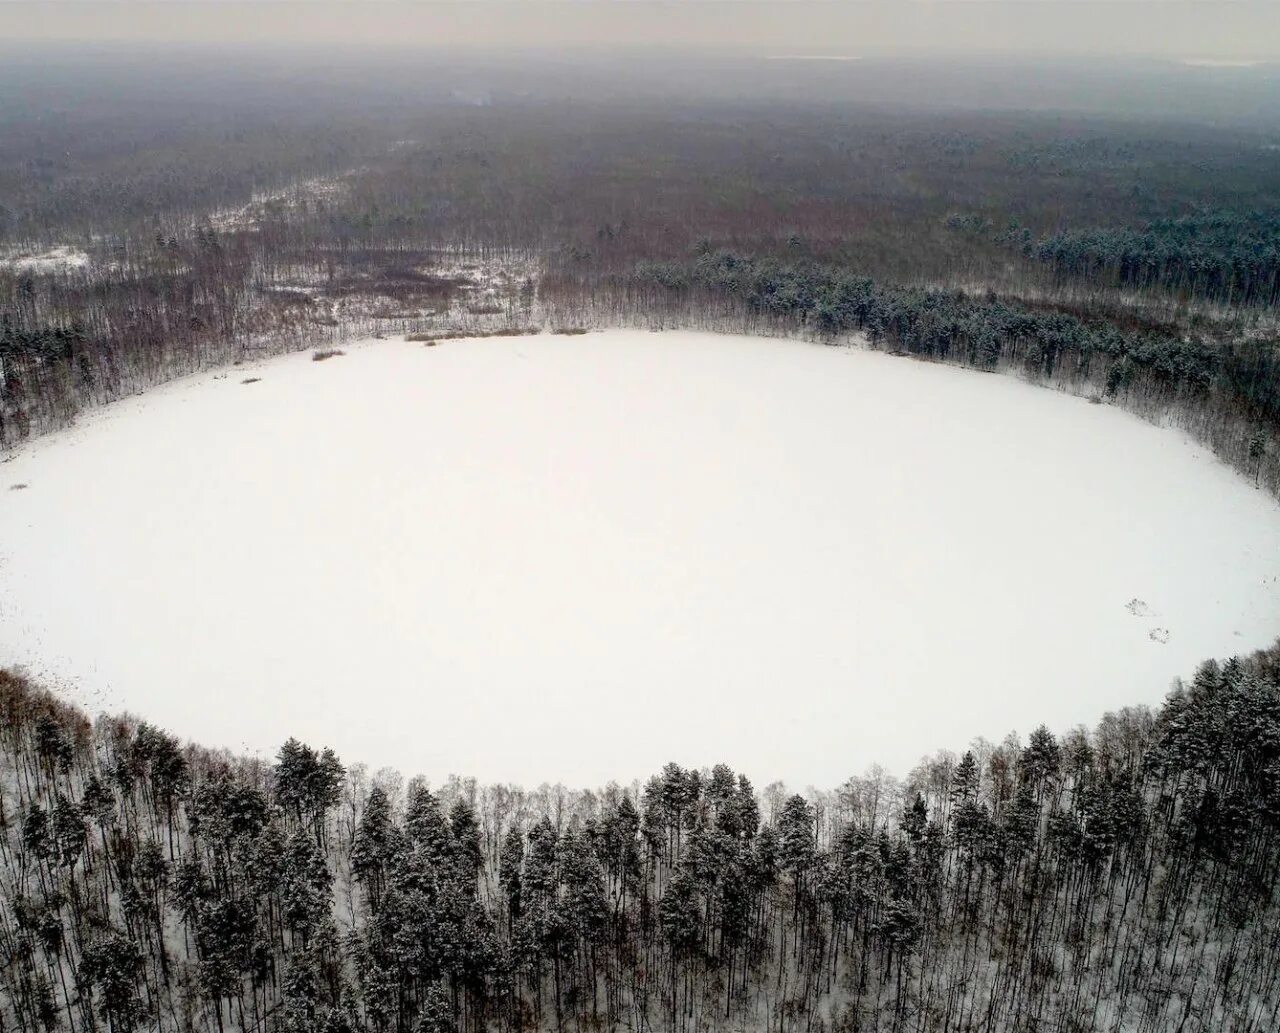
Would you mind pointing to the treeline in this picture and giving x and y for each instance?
(176, 304)
(1119, 879)
(1223, 257)
(1227, 393)
(164, 308)
(171, 304)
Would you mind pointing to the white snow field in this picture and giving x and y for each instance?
(577, 558)
(55, 260)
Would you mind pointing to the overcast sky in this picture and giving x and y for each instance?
(1223, 29)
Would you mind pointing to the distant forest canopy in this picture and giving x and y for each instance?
(1124, 878)
(146, 233)
(1221, 257)
(100, 144)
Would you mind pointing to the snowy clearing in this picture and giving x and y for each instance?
(55, 260)
(294, 198)
(797, 559)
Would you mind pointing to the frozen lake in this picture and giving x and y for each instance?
(577, 558)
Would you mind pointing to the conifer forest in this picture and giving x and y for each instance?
(1122, 878)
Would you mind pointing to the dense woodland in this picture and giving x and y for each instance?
(1119, 879)
(1124, 878)
(1227, 257)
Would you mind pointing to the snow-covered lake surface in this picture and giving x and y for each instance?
(576, 558)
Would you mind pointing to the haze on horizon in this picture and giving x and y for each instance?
(1214, 32)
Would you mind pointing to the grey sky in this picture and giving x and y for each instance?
(1207, 28)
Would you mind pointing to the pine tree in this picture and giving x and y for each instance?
(372, 846)
(436, 1015)
(509, 873)
(110, 968)
(425, 824)
(464, 833)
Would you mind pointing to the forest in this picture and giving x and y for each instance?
(1225, 257)
(1119, 878)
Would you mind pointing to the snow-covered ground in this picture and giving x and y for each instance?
(576, 558)
(294, 198)
(55, 260)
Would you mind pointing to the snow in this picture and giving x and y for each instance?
(296, 197)
(576, 558)
(58, 259)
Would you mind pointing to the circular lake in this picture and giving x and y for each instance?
(576, 558)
